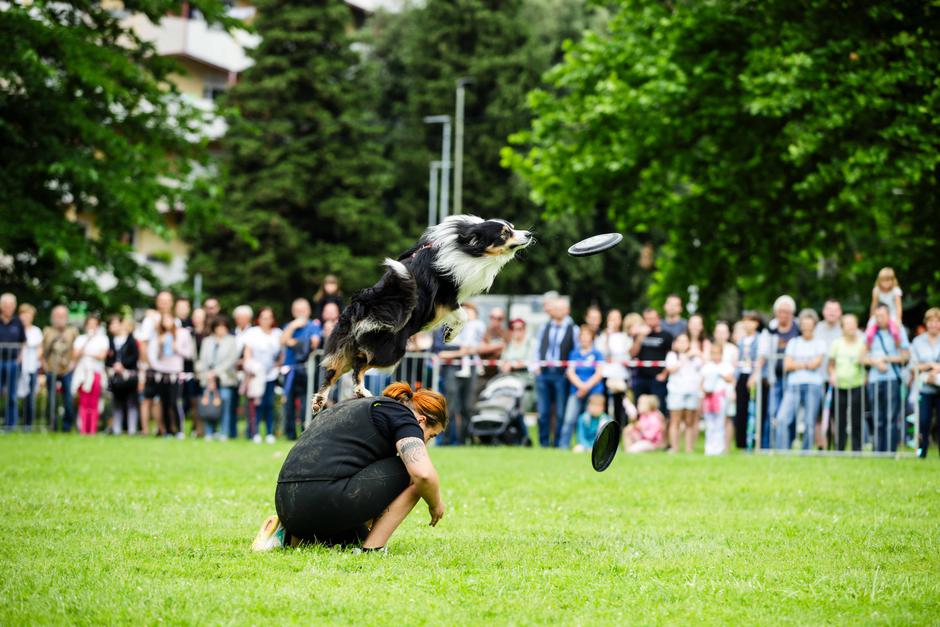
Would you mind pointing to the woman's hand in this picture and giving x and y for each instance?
(437, 512)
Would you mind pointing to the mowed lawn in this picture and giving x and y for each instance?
(114, 530)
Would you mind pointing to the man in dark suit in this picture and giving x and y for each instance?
(553, 342)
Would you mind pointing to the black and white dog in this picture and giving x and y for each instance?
(423, 289)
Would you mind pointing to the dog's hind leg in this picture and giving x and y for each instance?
(359, 367)
(319, 399)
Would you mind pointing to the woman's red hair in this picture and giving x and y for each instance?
(428, 403)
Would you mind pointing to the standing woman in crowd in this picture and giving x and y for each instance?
(88, 379)
(747, 377)
(172, 345)
(803, 357)
(847, 377)
(30, 366)
(215, 368)
(262, 358)
(192, 390)
(925, 354)
(329, 292)
(615, 345)
(123, 356)
(699, 345)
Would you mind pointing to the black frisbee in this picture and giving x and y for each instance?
(605, 445)
(594, 245)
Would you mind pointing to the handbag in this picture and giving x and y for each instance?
(616, 385)
(210, 406)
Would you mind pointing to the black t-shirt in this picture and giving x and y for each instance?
(655, 347)
(395, 421)
(345, 438)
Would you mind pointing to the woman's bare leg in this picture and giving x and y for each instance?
(387, 522)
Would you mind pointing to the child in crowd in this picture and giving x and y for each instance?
(648, 431)
(684, 392)
(590, 421)
(717, 375)
(887, 291)
(585, 376)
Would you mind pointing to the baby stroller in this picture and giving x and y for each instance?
(498, 417)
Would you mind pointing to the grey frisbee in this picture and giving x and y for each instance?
(596, 244)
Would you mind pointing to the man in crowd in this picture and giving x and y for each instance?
(494, 341)
(554, 342)
(301, 336)
(12, 343)
(147, 333)
(212, 308)
(57, 341)
(183, 311)
(242, 316)
(829, 329)
(674, 323)
(888, 352)
(652, 343)
(771, 348)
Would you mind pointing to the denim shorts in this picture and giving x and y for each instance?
(689, 400)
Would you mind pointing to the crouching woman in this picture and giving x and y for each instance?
(357, 472)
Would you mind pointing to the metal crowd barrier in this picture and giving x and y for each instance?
(418, 369)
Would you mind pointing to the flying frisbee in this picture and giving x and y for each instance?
(605, 445)
(594, 245)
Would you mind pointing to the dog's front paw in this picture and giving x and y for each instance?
(361, 391)
(450, 334)
(317, 403)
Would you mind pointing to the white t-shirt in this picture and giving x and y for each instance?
(888, 298)
(712, 376)
(265, 347)
(688, 378)
(799, 349)
(87, 345)
(616, 348)
(31, 352)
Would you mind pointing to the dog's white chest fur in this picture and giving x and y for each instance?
(472, 275)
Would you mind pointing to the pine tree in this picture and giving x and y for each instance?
(304, 169)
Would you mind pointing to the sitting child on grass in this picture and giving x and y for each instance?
(590, 422)
(648, 431)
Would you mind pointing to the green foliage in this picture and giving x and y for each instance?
(304, 174)
(117, 530)
(416, 58)
(764, 147)
(89, 128)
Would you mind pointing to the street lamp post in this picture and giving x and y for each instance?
(458, 143)
(444, 206)
(434, 176)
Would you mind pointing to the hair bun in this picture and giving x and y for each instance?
(399, 390)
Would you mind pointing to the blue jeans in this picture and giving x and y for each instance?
(230, 417)
(295, 387)
(66, 381)
(29, 403)
(929, 409)
(573, 408)
(9, 376)
(772, 402)
(805, 395)
(886, 407)
(263, 411)
(226, 395)
(551, 387)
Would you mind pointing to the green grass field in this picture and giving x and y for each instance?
(116, 530)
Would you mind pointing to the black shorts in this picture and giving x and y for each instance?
(150, 386)
(335, 511)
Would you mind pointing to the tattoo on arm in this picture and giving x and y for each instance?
(411, 450)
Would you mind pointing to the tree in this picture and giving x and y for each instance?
(763, 147)
(304, 172)
(93, 142)
(416, 57)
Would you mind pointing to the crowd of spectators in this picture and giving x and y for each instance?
(794, 380)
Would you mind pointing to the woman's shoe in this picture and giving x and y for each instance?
(270, 536)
